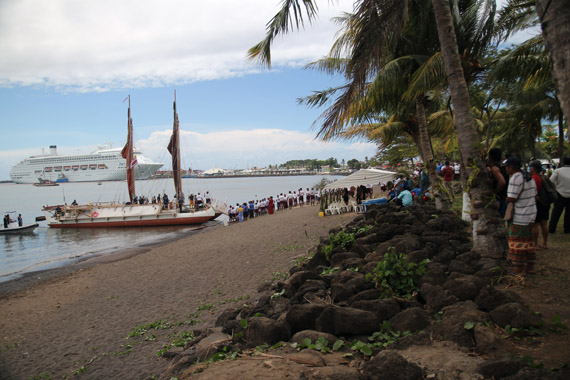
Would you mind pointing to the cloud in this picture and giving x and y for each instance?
(232, 149)
(241, 149)
(98, 45)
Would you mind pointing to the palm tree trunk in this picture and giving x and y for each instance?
(488, 231)
(554, 16)
(427, 156)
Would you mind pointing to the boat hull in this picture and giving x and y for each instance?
(124, 216)
(19, 229)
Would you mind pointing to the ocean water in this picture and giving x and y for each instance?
(48, 248)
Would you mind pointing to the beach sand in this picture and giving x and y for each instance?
(76, 320)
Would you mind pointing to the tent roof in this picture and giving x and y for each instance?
(363, 177)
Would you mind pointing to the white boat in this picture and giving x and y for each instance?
(105, 215)
(101, 165)
(11, 225)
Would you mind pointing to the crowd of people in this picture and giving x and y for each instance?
(267, 206)
(525, 194)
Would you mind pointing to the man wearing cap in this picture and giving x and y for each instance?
(561, 179)
(522, 193)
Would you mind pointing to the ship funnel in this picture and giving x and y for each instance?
(53, 150)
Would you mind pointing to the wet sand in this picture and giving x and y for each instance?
(76, 319)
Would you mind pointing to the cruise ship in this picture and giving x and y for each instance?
(101, 165)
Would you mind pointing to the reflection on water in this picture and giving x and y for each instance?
(52, 247)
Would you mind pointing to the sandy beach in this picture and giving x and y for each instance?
(76, 320)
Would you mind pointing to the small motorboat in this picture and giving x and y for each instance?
(12, 226)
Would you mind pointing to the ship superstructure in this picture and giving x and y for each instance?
(101, 165)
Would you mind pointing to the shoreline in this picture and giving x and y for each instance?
(35, 277)
(79, 318)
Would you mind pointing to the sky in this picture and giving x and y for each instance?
(67, 66)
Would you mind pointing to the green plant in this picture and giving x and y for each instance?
(557, 324)
(223, 355)
(395, 275)
(41, 376)
(207, 306)
(278, 294)
(330, 270)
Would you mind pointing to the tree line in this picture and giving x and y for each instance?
(435, 78)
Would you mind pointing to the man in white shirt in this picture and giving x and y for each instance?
(561, 179)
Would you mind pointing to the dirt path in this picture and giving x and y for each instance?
(78, 323)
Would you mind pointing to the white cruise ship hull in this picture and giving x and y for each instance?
(118, 215)
(103, 165)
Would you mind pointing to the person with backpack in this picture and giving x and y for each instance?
(542, 205)
(521, 199)
(561, 179)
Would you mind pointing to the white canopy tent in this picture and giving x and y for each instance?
(363, 177)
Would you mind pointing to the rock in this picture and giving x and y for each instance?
(464, 287)
(226, 316)
(211, 344)
(419, 255)
(343, 321)
(369, 267)
(515, 315)
(435, 274)
(261, 330)
(310, 286)
(436, 297)
(445, 254)
(355, 262)
(344, 276)
(413, 319)
(294, 282)
(486, 341)
(303, 317)
(452, 324)
(308, 357)
(384, 309)
(489, 298)
(313, 335)
(528, 373)
(389, 365)
(369, 294)
(406, 243)
(500, 368)
(339, 258)
(338, 372)
(460, 267)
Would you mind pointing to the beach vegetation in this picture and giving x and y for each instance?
(207, 306)
(278, 294)
(330, 270)
(224, 354)
(41, 376)
(340, 239)
(8, 347)
(141, 330)
(396, 276)
(282, 248)
(179, 340)
(278, 275)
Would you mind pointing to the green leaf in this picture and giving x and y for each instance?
(366, 350)
(338, 345)
(243, 323)
(469, 325)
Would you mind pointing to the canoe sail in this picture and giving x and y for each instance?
(174, 149)
(127, 154)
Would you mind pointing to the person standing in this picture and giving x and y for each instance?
(561, 179)
(447, 174)
(497, 178)
(20, 220)
(522, 193)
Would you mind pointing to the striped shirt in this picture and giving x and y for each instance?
(525, 205)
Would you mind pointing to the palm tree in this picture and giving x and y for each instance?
(554, 17)
(384, 20)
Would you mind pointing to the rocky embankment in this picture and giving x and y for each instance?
(341, 321)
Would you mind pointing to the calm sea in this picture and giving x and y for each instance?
(48, 248)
